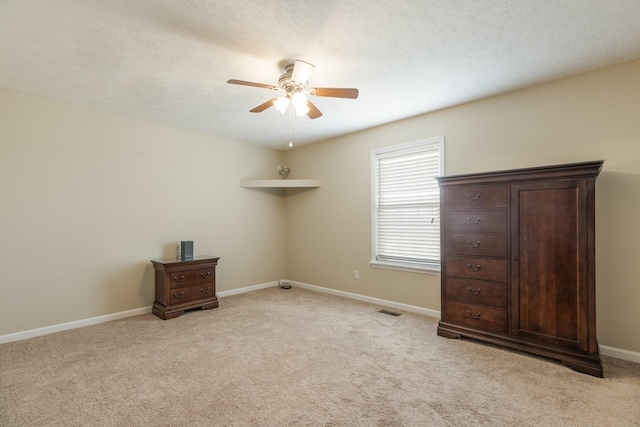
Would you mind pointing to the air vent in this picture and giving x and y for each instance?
(390, 313)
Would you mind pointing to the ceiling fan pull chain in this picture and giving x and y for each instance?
(291, 127)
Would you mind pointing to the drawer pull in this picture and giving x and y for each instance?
(472, 316)
(205, 290)
(473, 198)
(205, 275)
(476, 268)
(474, 221)
(178, 279)
(474, 293)
(178, 295)
(474, 245)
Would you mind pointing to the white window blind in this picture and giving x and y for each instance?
(406, 211)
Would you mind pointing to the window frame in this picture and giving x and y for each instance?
(375, 153)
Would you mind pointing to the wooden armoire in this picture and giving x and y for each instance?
(518, 261)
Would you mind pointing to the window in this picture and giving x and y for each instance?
(406, 205)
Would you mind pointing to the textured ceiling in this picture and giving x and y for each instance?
(169, 60)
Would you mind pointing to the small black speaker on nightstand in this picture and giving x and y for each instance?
(186, 249)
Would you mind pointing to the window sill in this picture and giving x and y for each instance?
(404, 267)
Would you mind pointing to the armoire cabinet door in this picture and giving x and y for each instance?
(549, 270)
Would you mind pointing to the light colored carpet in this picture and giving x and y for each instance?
(295, 357)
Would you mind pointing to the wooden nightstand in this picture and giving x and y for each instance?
(184, 284)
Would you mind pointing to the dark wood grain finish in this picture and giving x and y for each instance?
(477, 291)
(537, 273)
(180, 295)
(478, 316)
(476, 221)
(184, 285)
(181, 278)
(476, 197)
(496, 270)
(475, 244)
(203, 274)
(549, 281)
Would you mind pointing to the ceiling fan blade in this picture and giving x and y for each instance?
(260, 108)
(242, 82)
(313, 112)
(301, 72)
(335, 92)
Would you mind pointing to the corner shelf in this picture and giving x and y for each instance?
(281, 187)
(280, 183)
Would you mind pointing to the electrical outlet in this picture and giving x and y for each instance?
(356, 274)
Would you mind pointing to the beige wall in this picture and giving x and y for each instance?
(88, 197)
(589, 117)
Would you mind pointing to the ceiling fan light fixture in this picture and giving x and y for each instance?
(301, 111)
(301, 72)
(299, 100)
(281, 103)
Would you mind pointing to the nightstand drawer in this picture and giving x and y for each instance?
(477, 291)
(476, 221)
(477, 268)
(475, 315)
(179, 295)
(181, 278)
(202, 291)
(479, 197)
(203, 275)
(476, 244)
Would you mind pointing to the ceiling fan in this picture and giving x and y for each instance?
(294, 85)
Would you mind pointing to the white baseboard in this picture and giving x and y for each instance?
(31, 333)
(605, 350)
(246, 289)
(378, 301)
(619, 353)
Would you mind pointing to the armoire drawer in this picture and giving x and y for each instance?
(477, 316)
(477, 291)
(476, 221)
(496, 270)
(476, 197)
(476, 244)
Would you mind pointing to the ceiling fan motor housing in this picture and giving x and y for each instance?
(286, 82)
